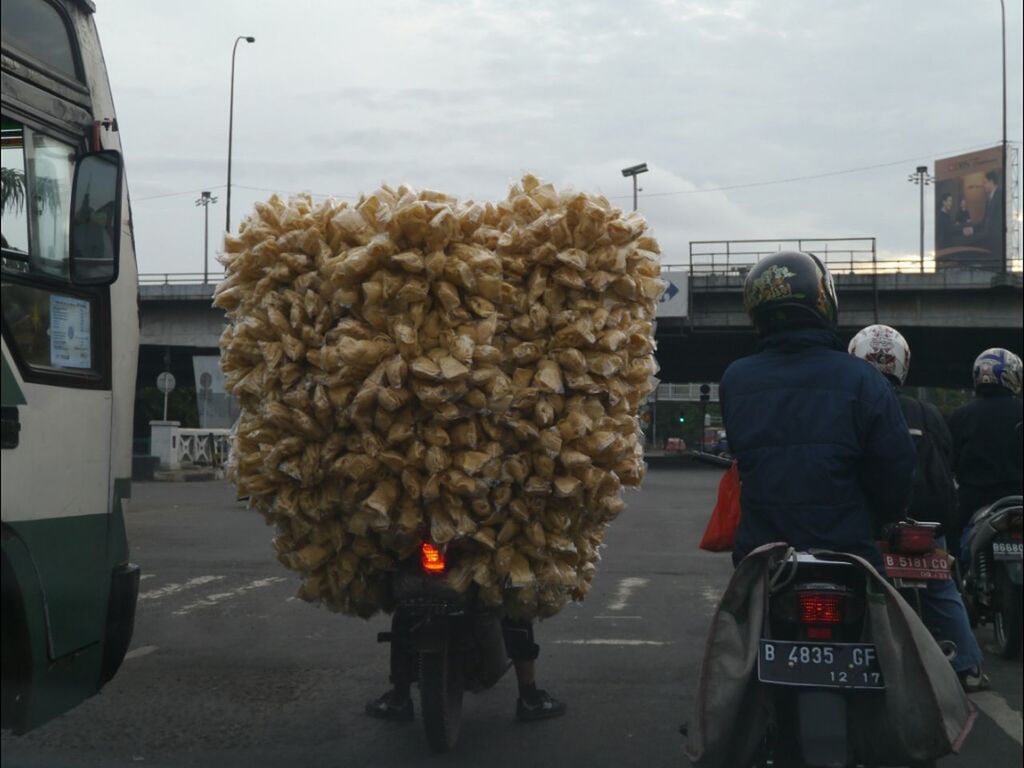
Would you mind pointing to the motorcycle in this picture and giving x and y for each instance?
(812, 655)
(912, 560)
(458, 642)
(993, 582)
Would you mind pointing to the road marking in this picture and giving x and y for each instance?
(622, 595)
(145, 576)
(606, 641)
(712, 596)
(220, 597)
(617, 617)
(171, 589)
(143, 650)
(1001, 713)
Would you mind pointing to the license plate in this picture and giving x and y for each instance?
(930, 567)
(819, 665)
(1008, 550)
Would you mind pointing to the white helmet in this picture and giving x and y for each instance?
(885, 348)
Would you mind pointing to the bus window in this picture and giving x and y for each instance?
(37, 173)
(52, 332)
(12, 193)
(49, 174)
(36, 27)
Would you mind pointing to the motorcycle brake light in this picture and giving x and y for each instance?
(819, 633)
(432, 559)
(911, 539)
(818, 608)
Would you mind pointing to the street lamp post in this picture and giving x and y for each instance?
(1006, 218)
(205, 200)
(922, 178)
(634, 171)
(231, 125)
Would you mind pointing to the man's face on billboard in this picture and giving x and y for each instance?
(989, 185)
(947, 203)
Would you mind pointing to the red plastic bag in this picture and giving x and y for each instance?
(720, 535)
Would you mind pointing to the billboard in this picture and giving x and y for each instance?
(970, 211)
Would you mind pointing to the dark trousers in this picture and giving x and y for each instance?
(517, 634)
(971, 499)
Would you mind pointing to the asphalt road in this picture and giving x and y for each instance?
(228, 669)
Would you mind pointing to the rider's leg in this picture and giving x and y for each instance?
(943, 611)
(396, 704)
(533, 703)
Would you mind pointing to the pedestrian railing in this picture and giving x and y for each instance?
(202, 447)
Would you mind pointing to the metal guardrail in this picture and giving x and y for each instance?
(842, 255)
(177, 278)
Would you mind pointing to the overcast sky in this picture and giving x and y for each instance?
(337, 96)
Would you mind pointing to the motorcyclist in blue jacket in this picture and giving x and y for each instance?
(824, 453)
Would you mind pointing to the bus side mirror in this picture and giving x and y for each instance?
(95, 225)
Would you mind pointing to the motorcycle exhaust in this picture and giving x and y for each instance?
(948, 648)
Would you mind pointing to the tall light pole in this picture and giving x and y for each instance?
(922, 178)
(634, 171)
(205, 200)
(1006, 219)
(231, 124)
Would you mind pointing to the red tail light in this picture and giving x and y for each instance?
(432, 559)
(913, 539)
(818, 608)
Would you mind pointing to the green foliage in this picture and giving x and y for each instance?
(12, 190)
(181, 405)
(945, 399)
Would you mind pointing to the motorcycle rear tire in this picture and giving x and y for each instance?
(441, 698)
(1007, 619)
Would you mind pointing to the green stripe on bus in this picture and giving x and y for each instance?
(10, 392)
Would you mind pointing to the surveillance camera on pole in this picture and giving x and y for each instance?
(634, 171)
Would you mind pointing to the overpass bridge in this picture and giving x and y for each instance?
(947, 316)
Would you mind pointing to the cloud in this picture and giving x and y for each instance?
(466, 96)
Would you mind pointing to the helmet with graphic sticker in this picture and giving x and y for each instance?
(790, 289)
(998, 367)
(885, 348)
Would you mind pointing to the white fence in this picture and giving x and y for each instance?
(682, 393)
(177, 447)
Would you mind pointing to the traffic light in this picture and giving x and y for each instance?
(682, 418)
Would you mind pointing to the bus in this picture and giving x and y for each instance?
(70, 343)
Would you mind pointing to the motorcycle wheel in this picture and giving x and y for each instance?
(1007, 619)
(441, 698)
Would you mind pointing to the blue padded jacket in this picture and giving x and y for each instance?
(825, 456)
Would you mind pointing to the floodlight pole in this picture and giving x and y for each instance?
(1006, 175)
(634, 171)
(205, 200)
(922, 178)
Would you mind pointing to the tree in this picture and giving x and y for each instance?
(12, 190)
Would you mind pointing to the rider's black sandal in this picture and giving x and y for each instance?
(538, 705)
(388, 707)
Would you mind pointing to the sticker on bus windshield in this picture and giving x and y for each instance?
(70, 332)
